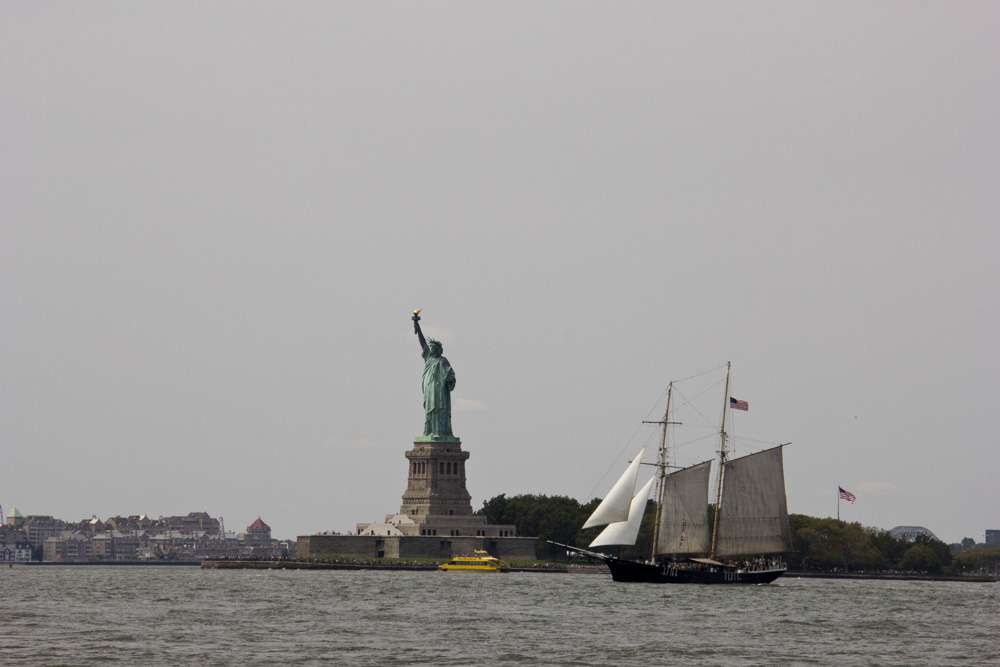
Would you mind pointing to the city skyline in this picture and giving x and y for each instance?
(193, 537)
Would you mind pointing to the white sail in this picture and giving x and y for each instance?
(615, 506)
(754, 512)
(626, 532)
(684, 526)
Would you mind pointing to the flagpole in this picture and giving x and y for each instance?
(838, 503)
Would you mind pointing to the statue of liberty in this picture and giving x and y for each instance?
(439, 380)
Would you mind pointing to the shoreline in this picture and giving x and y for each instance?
(989, 579)
(106, 563)
(546, 569)
(303, 565)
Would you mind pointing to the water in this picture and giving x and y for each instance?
(189, 616)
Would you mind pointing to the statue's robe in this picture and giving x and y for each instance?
(439, 380)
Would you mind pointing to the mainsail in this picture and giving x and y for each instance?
(615, 506)
(626, 532)
(684, 526)
(754, 512)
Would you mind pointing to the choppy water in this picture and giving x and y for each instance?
(189, 616)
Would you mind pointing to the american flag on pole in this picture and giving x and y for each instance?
(737, 404)
(846, 495)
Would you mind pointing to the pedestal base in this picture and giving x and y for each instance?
(436, 484)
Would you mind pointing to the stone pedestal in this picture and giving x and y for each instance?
(436, 484)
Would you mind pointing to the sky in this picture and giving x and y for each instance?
(217, 218)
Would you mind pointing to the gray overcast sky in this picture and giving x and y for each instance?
(218, 217)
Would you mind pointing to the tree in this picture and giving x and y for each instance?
(493, 509)
(889, 548)
(817, 543)
(858, 550)
(830, 543)
(927, 555)
(920, 558)
(976, 561)
(556, 518)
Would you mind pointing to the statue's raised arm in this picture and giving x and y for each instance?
(416, 330)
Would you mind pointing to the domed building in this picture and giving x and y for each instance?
(909, 533)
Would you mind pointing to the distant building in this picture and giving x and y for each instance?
(41, 527)
(14, 539)
(258, 534)
(909, 533)
(224, 545)
(20, 552)
(67, 547)
(15, 518)
(102, 547)
(993, 537)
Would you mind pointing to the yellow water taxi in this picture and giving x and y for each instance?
(479, 561)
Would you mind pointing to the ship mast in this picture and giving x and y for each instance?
(663, 472)
(722, 461)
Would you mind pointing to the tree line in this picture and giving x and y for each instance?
(817, 544)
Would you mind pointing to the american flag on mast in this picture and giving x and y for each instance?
(846, 495)
(737, 404)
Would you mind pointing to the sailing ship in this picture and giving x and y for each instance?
(741, 545)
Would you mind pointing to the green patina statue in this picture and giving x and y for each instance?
(439, 380)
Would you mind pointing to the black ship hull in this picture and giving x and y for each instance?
(671, 573)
